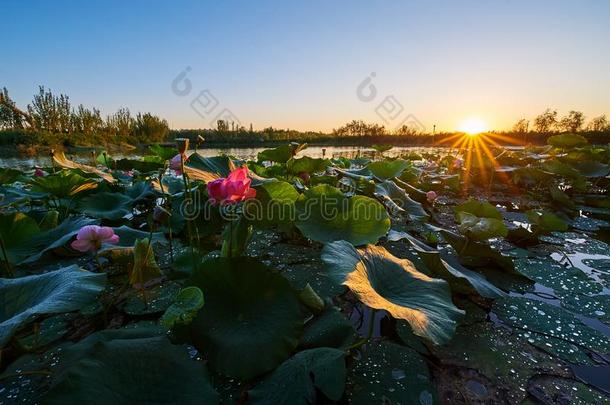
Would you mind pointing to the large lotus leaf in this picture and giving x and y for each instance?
(562, 169)
(14, 195)
(477, 254)
(460, 278)
(141, 165)
(16, 230)
(128, 236)
(396, 197)
(183, 310)
(273, 205)
(164, 152)
(296, 380)
(281, 154)
(219, 165)
(307, 164)
(390, 373)
(64, 184)
(480, 228)
(330, 329)
(552, 328)
(546, 221)
(125, 371)
(9, 175)
(388, 169)
(139, 192)
(251, 320)
(53, 238)
(64, 290)
(324, 214)
(567, 141)
(382, 281)
(106, 205)
(570, 391)
(481, 209)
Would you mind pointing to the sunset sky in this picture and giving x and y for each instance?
(293, 65)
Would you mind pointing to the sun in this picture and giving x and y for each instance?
(473, 126)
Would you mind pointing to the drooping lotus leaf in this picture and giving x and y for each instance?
(218, 165)
(139, 192)
(477, 254)
(545, 222)
(296, 380)
(184, 309)
(567, 141)
(382, 281)
(577, 180)
(128, 236)
(154, 300)
(16, 230)
(390, 373)
(273, 205)
(164, 152)
(307, 164)
(9, 175)
(328, 329)
(397, 197)
(592, 169)
(16, 195)
(145, 267)
(145, 370)
(480, 228)
(64, 290)
(481, 209)
(63, 184)
(388, 169)
(251, 320)
(141, 165)
(324, 214)
(106, 205)
(460, 278)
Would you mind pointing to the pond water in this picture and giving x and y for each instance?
(240, 153)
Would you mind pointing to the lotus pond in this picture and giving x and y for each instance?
(472, 275)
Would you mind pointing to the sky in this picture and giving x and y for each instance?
(313, 65)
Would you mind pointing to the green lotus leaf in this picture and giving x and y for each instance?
(399, 200)
(219, 165)
(324, 214)
(145, 370)
(16, 230)
(307, 164)
(382, 148)
(139, 192)
(480, 228)
(63, 184)
(382, 281)
(460, 278)
(15, 195)
(593, 169)
(128, 236)
(273, 205)
(328, 329)
(251, 320)
(562, 169)
(481, 209)
(477, 254)
(296, 380)
(9, 175)
(188, 302)
(106, 205)
(546, 222)
(64, 290)
(567, 141)
(390, 373)
(164, 152)
(388, 169)
(281, 154)
(145, 267)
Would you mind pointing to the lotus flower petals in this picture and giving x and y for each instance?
(431, 196)
(91, 238)
(175, 163)
(38, 172)
(232, 189)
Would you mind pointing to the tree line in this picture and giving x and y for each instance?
(52, 118)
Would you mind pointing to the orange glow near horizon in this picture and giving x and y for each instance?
(473, 126)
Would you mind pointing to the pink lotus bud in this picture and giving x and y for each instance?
(176, 163)
(231, 190)
(431, 196)
(38, 172)
(457, 163)
(91, 237)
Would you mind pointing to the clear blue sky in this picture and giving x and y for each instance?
(298, 65)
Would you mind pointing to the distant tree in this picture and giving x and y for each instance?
(360, 128)
(522, 126)
(120, 123)
(406, 130)
(545, 121)
(572, 122)
(222, 126)
(599, 124)
(51, 113)
(87, 121)
(10, 116)
(149, 128)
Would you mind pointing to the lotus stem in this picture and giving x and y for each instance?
(9, 269)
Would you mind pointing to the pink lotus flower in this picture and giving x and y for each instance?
(233, 189)
(457, 163)
(38, 172)
(176, 163)
(431, 196)
(91, 237)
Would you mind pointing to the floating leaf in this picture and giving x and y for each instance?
(324, 214)
(481, 209)
(188, 302)
(63, 184)
(567, 141)
(273, 205)
(545, 222)
(480, 228)
(106, 205)
(330, 329)
(296, 380)
(64, 290)
(382, 281)
(388, 169)
(251, 320)
(281, 154)
(389, 191)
